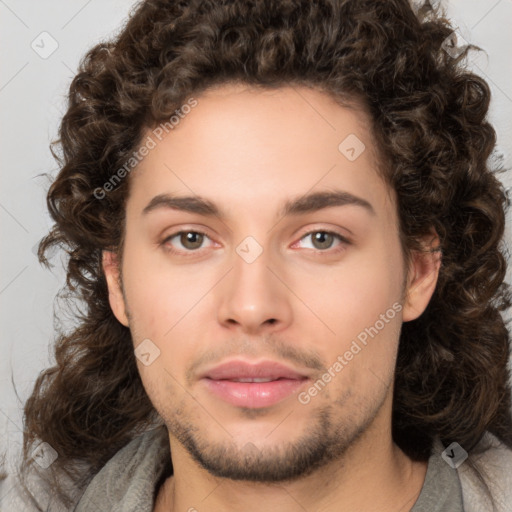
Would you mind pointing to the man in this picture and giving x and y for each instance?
(282, 221)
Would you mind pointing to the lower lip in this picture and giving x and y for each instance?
(254, 394)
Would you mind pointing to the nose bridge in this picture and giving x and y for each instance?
(251, 295)
(251, 267)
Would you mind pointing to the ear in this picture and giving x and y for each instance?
(111, 269)
(422, 278)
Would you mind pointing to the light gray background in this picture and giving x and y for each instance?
(32, 101)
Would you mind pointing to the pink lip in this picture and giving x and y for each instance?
(221, 381)
(238, 369)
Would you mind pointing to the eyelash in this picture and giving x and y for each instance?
(336, 250)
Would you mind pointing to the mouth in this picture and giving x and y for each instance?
(243, 384)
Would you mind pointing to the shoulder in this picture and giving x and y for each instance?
(30, 494)
(144, 452)
(492, 460)
(129, 477)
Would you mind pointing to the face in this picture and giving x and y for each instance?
(267, 305)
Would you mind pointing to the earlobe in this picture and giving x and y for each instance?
(111, 269)
(424, 272)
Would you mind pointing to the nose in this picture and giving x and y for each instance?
(253, 298)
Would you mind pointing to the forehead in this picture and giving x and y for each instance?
(241, 144)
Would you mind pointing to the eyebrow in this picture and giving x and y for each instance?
(304, 204)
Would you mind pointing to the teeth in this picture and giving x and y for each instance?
(252, 380)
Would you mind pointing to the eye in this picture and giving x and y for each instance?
(189, 240)
(322, 240)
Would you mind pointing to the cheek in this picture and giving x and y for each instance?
(160, 295)
(361, 304)
(167, 306)
(358, 292)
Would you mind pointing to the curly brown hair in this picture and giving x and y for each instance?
(429, 121)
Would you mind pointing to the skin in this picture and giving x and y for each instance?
(300, 303)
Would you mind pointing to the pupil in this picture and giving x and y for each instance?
(191, 240)
(320, 237)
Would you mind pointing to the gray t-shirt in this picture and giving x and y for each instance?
(442, 490)
(130, 480)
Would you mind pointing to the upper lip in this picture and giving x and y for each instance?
(238, 369)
